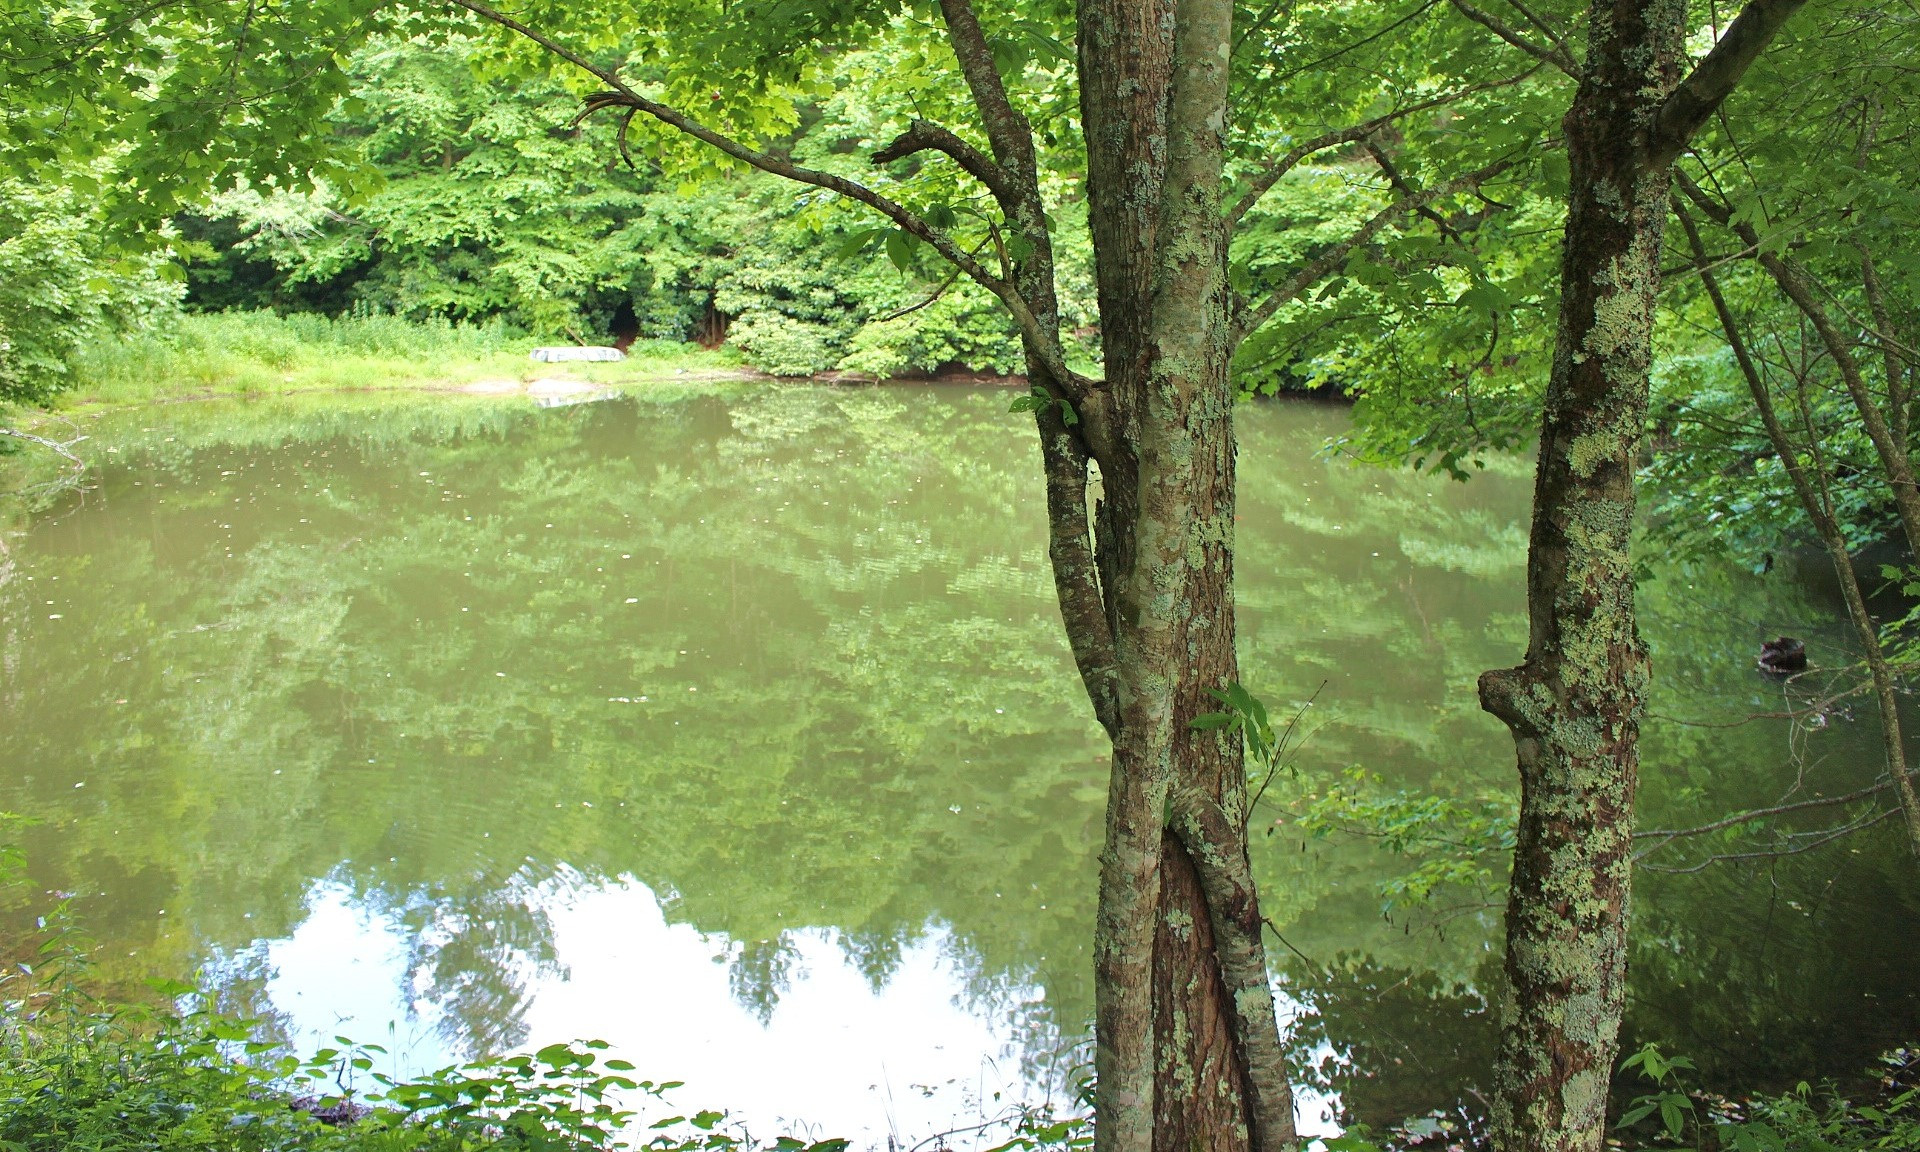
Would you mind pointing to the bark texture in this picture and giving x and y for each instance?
(1188, 1052)
(1574, 704)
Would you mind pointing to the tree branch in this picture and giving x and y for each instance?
(61, 448)
(1546, 29)
(1824, 836)
(1249, 320)
(1399, 183)
(1008, 133)
(1556, 55)
(1899, 391)
(1076, 574)
(1714, 78)
(1216, 842)
(622, 95)
(924, 135)
(1666, 835)
(1271, 176)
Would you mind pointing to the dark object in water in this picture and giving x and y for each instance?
(1783, 655)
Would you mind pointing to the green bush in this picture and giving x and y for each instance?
(1803, 1120)
(65, 282)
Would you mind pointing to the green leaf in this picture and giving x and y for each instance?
(900, 251)
(1673, 1118)
(856, 243)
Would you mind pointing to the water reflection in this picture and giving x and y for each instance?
(821, 1047)
(728, 725)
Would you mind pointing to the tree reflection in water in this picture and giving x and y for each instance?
(782, 664)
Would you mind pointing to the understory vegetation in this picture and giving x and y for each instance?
(251, 353)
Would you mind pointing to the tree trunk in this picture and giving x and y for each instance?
(1574, 705)
(1188, 1052)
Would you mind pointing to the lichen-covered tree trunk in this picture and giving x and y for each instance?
(1188, 1052)
(1574, 705)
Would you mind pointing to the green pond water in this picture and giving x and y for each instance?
(736, 727)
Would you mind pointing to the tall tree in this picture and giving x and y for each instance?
(1574, 704)
(1188, 1050)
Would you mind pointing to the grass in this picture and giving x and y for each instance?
(262, 353)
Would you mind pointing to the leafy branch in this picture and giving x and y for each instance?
(1246, 716)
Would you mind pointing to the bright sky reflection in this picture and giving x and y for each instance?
(836, 1057)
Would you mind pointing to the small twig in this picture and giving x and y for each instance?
(1277, 936)
(938, 292)
(1279, 752)
(1829, 837)
(1668, 835)
(1556, 55)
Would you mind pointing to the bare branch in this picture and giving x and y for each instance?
(1255, 26)
(1008, 133)
(1556, 55)
(1076, 572)
(1250, 319)
(932, 297)
(1271, 176)
(1823, 837)
(1546, 28)
(1356, 45)
(1398, 182)
(1275, 761)
(1666, 835)
(61, 448)
(1714, 78)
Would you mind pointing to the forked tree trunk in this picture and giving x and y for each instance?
(1188, 1050)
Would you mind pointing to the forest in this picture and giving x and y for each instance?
(799, 575)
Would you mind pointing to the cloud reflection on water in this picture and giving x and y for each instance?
(834, 1054)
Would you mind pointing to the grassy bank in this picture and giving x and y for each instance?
(258, 355)
(262, 353)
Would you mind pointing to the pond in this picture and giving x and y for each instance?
(734, 725)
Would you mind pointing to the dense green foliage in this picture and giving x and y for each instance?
(493, 208)
(1843, 93)
(457, 182)
(63, 285)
